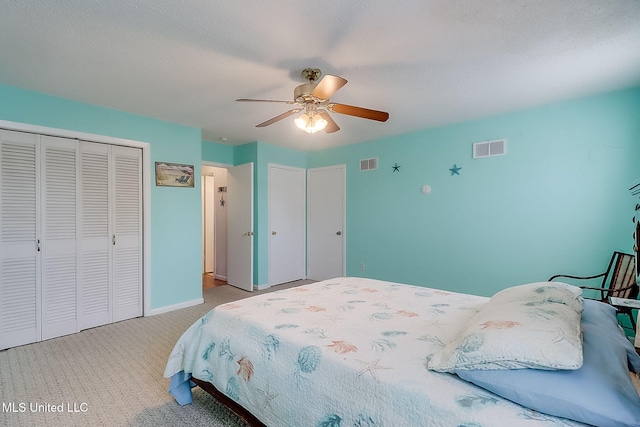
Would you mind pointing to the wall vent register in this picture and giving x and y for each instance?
(369, 164)
(497, 147)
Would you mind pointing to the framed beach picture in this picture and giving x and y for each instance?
(174, 175)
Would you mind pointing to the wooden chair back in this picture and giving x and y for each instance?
(621, 276)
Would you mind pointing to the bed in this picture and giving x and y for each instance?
(362, 352)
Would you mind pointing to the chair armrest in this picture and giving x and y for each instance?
(607, 289)
(576, 277)
(593, 288)
(602, 291)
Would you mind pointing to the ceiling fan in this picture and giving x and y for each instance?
(313, 98)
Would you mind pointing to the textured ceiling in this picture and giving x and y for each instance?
(426, 62)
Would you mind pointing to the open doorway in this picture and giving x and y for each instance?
(214, 226)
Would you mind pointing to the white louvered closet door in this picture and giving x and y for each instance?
(70, 236)
(127, 233)
(19, 231)
(58, 238)
(94, 258)
(110, 234)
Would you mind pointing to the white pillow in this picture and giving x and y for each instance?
(531, 333)
(540, 292)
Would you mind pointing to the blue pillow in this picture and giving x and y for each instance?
(599, 393)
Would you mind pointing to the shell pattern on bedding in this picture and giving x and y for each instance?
(344, 352)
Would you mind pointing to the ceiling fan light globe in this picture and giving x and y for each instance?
(301, 122)
(318, 123)
(310, 124)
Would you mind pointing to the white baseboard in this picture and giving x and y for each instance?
(173, 307)
(261, 287)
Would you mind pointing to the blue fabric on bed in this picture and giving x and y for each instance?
(599, 393)
(180, 388)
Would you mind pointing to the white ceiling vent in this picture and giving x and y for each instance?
(490, 148)
(369, 164)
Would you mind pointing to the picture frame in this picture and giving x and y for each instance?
(174, 175)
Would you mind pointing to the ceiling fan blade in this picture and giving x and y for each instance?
(328, 86)
(332, 126)
(280, 117)
(263, 100)
(365, 113)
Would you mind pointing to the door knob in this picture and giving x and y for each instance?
(273, 233)
(339, 233)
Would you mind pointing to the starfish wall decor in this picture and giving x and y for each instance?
(455, 170)
(396, 167)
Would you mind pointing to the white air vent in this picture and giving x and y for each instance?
(490, 148)
(369, 164)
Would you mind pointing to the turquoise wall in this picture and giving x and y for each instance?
(175, 212)
(557, 202)
(216, 152)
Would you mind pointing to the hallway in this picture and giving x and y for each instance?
(209, 281)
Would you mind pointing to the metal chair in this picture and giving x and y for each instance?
(619, 280)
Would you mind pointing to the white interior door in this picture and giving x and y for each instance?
(326, 188)
(287, 220)
(95, 231)
(59, 224)
(127, 233)
(70, 236)
(110, 229)
(240, 226)
(19, 234)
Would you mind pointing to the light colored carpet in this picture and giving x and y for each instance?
(110, 375)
